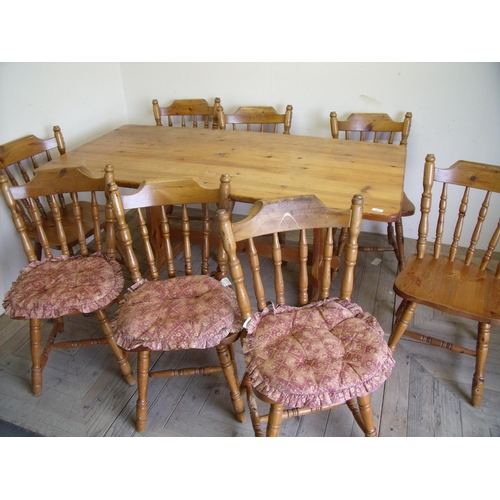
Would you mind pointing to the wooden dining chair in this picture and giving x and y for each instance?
(378, 127)
(300, 355)
(181, 308)
(19, 160)
(192, 109)
(465, 284)
(67, 284)
(265, 118)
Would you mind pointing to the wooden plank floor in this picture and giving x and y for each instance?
(428, 393)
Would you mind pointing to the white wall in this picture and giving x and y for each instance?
(85, 99)
(455, 106)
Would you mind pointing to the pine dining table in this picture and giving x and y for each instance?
(261, 165)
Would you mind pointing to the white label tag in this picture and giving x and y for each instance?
(377, 209)
(245, 324)
(225, 281)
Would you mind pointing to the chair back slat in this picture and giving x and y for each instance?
(50, 184)
(377, 127)
(20, 160)
(291, 216)
(459, 224)
(483, 212)
(172, 224)
(261, 118)
(491, 247)
(61, 235)
(479, 182)
(146, 241)
(193, 108)
(165, 237)
(17, 219)
(23, 155)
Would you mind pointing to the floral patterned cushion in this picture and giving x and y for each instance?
(321, 354)
(54, 287)
(186, 312)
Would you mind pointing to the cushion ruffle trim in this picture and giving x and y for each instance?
(18, 304)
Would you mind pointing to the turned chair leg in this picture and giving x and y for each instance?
(226, 363)
(36, 356)
(246, 387)
(141, 413)
(365, 408)
(404, 316)
(400, 245)
(120, 355)
(274, 422)
(483, 340)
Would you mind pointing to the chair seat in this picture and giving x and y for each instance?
(186, 312)
(462, 290)
(321, 354)
(62, 285)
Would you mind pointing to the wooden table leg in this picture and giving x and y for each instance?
(317, 260)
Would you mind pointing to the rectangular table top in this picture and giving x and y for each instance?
(261, 165)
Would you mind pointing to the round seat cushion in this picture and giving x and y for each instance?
(321, 354)
(185, 312)
(61, 285)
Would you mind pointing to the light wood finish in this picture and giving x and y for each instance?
(161, 194)
(19, 160)
(467, 286)
(285, 215)
(379, 127)
(261, 166)
(257, 118)
(266, 117)
(182, 108)
(51, 184)
(427, 393)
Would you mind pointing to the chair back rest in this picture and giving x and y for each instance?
(292, 216)
(375, 127)
(265, 117)
(173, 225)
(20, 159)
(51, 184)
(474, 180)
(192, 109)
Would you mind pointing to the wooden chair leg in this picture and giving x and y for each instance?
(226, 363)
(120, 355)
(246, 387)
(233, 359)
(274, 422)
(483, 340)
(141, 413)
(400, 245)
(399, 310)
(36, 356)
(390, 237)
(403, 319)
(365, 408)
